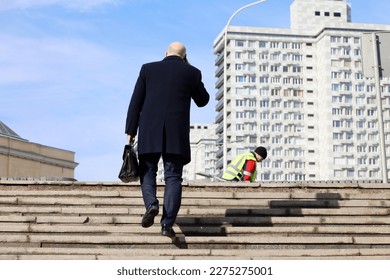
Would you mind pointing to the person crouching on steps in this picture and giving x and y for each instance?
(243, 167)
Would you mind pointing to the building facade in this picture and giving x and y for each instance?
(21, 159)
(301, 92)
(203, 154)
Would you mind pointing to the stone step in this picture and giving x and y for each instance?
(102, 221)
(186, 210)
(202, 220)
(106, 253)
(157, 239)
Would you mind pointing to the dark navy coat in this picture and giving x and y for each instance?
(160, 106)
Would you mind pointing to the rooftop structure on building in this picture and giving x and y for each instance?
(301, 92)
(5, 131)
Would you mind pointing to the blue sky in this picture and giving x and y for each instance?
(68, 67)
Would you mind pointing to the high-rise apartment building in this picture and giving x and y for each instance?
(301, 92)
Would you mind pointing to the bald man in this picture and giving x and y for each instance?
(159, 111)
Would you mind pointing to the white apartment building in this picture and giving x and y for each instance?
(203, 154)
(203, 142)
(301, 93)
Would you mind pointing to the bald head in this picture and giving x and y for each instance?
(176, 48)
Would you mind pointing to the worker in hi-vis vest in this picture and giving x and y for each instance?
(243, 167)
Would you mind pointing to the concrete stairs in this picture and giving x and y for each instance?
(91, 220)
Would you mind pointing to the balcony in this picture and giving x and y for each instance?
(219, 82)
(219, 128)
(219, 117)
(219, 59)
(219, 71)
(219, 105)
(219, 93)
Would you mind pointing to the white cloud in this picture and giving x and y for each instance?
(59, 60)
(73, 4)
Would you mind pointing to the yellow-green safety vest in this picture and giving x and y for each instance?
(234, 169)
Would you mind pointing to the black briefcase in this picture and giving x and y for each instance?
(130, 169)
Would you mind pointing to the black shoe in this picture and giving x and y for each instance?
(167, 231)
(148, 218)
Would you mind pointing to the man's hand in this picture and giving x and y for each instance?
(130, 138)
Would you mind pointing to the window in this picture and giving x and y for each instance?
(275, 80)
(264, 91)
(334, 51)
(264, 103)
(263, 80)
(296, 45)
(360, 124)
(251, 66)
(240, 67)
(335, 75)
(361, 161)
(337, 14)
(240, 127)
(240, 79)
(240, 43)
(335, 39)
(252, 79)
(264, 115)
(296, 69)
(274, 56)
(252, 139)
(337, 136)
(277, 103)
(371, 112)
(240, 115)
(240, 103)
(335, 63)
(337, 124)
(339, 161)
(356, 40)
(251, 55)
(373, 137)
(358, 76)
(357, 52)
(297, 57)
(263, 56)
(240, 90)
(317, 13)
(263, 68)
(252, 102)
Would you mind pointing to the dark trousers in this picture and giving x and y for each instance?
(173, 171)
